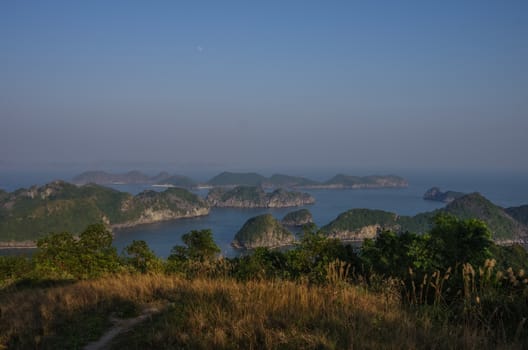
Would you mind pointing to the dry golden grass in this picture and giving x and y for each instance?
(222, 314)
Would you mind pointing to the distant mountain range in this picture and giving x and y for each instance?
(231, 179)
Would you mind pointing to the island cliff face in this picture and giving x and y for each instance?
(256, 197)
(150, 207)
(434, 194)
(262, 231)
(27, 214)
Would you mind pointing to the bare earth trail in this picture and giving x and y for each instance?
(121, 326)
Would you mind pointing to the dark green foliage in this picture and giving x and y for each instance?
(451, 242)
(141, 258)
(454, 241)
(61, 255)
(310, 259)
(393, 254)
(262, 263)
(199, 246)
(13, 268)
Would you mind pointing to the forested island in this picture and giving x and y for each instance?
(27, 214)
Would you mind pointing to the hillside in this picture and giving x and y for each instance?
(221, 314)
(519, 213)
(262, 231)
(357, 224)
(27, 214)
(256, 197)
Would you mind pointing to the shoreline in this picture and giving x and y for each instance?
(18, 245)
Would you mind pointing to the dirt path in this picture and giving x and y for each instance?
(120, 326)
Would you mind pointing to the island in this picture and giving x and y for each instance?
(27, 214)
(163, 179)
(256, 197)
(176, 181)
(262, 231)
(340, 181)
(229, 179)
(435, 194)
(299, 217)
(358, 224)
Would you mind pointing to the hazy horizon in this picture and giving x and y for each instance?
(362, 87)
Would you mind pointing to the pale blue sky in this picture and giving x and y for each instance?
(284, 84)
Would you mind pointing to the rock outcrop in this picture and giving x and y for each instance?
(298, 218)
(262, 231)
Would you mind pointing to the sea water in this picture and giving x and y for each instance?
(504, 189)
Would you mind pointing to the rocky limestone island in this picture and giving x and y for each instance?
(134, 178)
(435, 194)
(358, 224)
(262, 231)
(256, 197)
(355, 225)
(27, 214)
(298, 218)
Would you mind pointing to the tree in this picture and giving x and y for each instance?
(61, 255)
(455, 241)
(141, 257)
(200, 246)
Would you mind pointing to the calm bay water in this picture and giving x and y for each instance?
(503, 189)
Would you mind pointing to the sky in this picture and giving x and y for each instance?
(265, 84)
